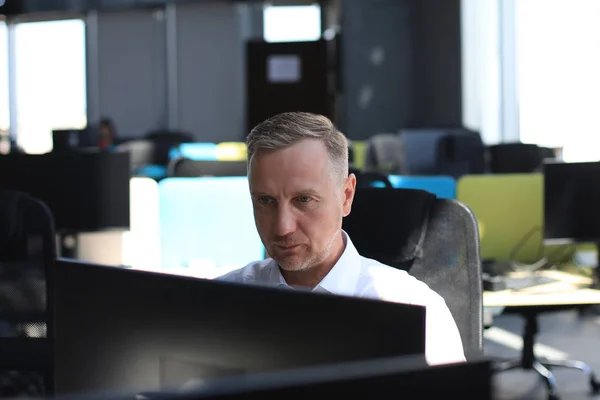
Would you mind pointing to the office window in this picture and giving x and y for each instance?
(482, 68)
(50, 80)
(292, 23)
(4, 112)
(558, 67)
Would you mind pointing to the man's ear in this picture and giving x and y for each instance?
(348, 191)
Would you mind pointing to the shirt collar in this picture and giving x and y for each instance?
(341, 280)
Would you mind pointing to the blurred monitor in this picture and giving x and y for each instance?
(571, 202)
(123, 330)
(86, 192)
(11, 8)
(72, 139)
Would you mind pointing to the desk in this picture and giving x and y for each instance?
(568, 291)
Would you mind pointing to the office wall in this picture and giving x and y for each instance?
(401, 65)
(181, 70)
(210, 71)
(127, 70)
(437, 62)
(376, 66)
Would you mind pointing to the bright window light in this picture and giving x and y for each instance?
(50, 81)
(4, 113)
(558, 66)
(292, 23)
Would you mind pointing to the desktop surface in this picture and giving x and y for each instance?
(125, 330)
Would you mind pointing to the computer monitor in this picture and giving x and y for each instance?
(404, 377)
(72, 139)
(571, 202)
(122, 330)
(388, 378)
(11, 8)
(86, 192)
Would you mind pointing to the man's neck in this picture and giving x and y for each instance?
(311, 277)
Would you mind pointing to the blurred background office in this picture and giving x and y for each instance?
(138, 110)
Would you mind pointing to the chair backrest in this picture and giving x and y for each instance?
(422, 150)
(27, 252)
(366, 179)
(435, 240)
(141, 152)
(443, 151)
(186, 168)
(164, 141)
(384, 153)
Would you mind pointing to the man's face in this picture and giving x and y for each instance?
(299, 204)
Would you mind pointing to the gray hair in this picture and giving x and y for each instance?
(286, 129)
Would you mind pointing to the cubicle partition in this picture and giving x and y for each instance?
(207, 225)
(360, 149)
(139, 247)
(231, 151)
(509, 212)
(195, 151)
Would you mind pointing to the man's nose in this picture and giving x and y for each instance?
(286, 222)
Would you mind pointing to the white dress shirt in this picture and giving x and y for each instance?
(354, 275)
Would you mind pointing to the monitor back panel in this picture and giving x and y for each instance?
(390, 378)
(124, 330)
(572, 202)
(86, 192)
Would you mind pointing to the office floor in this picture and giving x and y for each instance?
(566, 335)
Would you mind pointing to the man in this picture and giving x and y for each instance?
(301, 190)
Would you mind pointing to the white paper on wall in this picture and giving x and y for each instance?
(283, 69)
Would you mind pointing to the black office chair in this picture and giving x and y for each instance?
(27, 252)
(435, 240)
(529, 361)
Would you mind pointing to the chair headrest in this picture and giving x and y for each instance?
(389, 225)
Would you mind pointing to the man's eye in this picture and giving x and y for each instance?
(304, 199)
(264, 200)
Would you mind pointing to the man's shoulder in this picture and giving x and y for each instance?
(257, 271)
(388, 283)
